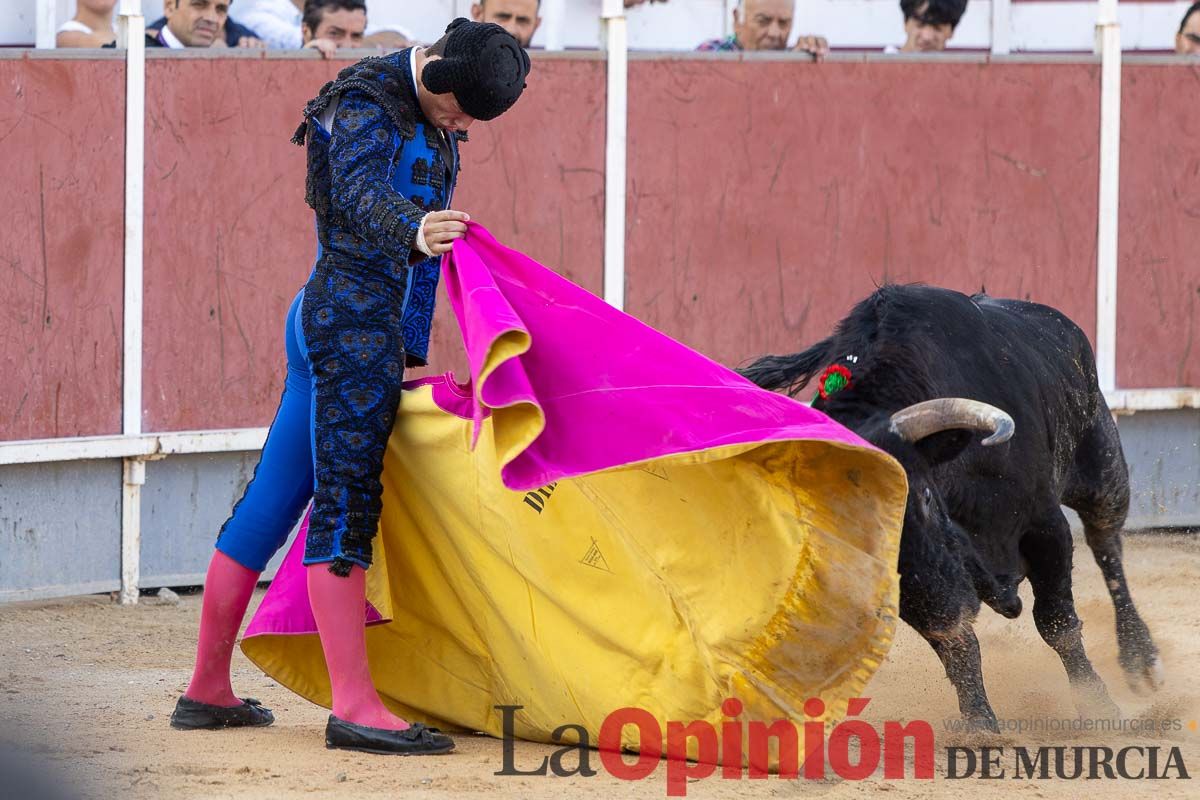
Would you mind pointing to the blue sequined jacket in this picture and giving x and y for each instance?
(372, 178)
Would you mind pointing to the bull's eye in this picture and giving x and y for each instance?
(927, 495)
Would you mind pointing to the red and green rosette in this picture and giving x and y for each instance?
(835, 378)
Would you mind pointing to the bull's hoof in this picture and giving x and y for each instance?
(1146, 675)
(1092, 701)
(980, 725)
(1139, 658)
(979, 720)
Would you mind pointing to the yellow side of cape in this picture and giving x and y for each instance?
(761, 572)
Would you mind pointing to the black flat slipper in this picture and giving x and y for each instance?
(416, 740)
(190, 715)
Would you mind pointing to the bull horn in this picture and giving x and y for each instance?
(950, 413)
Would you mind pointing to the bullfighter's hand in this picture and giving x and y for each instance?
(441, 228)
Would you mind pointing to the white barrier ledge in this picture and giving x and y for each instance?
(1130, 401)
(148, 445)
(236, 440)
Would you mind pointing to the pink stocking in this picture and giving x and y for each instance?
(227, 590)
(339, 606)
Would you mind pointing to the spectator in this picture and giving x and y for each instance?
(1187, 41)
(518, 17)
(929, 24)
(230, 33)
(766, 25)
(329, 24)
(92, 25)
(189, 23)
(277, 22)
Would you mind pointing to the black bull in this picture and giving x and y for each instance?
(983, 516)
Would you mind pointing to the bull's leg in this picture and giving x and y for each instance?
(938, 599)
(958, 650)
(1099, 492)
(1137, 653)
(1047, 551)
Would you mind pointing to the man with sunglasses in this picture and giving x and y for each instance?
(1187, 41)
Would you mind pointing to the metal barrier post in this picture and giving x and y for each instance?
(617, 44)
(132, 36)
(1108, 39)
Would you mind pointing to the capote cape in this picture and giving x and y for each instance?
(602, 517)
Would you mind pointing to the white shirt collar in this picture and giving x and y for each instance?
(170, 38)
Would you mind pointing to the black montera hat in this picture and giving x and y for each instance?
(483, 65)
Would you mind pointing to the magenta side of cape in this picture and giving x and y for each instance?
(613, 390)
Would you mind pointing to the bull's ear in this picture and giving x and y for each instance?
(943, 446)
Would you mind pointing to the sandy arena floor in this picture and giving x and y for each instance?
(87, 686)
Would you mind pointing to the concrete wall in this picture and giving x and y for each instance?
(1163, 451)
(60, 529)
(60, 524)
(185, 502)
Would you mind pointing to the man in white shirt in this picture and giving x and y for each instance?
(92, 25)
(277, 22)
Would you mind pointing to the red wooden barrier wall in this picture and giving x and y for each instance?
(764, 199)
(230, 240)
(1158, 297)
(61, 242)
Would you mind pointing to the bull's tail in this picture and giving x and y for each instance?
(791, 373)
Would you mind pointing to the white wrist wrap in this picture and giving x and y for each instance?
(421, 245)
